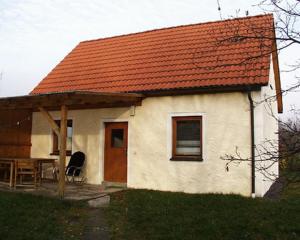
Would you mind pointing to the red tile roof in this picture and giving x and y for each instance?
(222, 53)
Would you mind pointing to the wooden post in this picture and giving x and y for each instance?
(62, 150)
(52, 123)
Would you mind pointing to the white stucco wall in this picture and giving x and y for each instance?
(266, 129)
(226, 124)
(88, 137)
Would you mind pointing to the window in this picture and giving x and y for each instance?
(55, 150)
(187, 138)
(117, 138)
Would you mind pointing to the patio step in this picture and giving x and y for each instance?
(106, 184)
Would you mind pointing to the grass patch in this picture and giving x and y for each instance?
(142, 214)
(24, 216)
(145, 214)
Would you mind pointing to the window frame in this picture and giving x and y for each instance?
(55, 150)
(176, 157)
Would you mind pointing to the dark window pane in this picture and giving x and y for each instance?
(188, 130)
(56, 139)
(188, 137)
(69, 137)
(117, 136)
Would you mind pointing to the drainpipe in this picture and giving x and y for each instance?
(252, 145)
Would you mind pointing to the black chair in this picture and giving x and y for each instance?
(74, 168)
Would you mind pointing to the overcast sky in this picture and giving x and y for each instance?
(35, 35)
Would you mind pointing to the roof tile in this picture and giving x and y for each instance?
(223, 53)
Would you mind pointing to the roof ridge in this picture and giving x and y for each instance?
(178, 26)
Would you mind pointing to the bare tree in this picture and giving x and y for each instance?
(287, 15)
(287, 28)
(286, 150)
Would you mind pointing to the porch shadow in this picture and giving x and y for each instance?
(73, 191)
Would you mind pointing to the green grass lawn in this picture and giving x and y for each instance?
(23, 216)
(142, 214)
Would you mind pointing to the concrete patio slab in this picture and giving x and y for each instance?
(73, 191)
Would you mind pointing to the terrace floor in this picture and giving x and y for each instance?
(73, 191)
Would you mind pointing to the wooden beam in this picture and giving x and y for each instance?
(52, 123)
(72, 100)
(95, 106)
(62, 150)
(277, 78)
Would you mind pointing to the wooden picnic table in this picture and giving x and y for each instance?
(10, 162)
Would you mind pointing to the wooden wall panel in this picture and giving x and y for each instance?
(15, 139)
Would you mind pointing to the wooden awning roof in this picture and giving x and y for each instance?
(73, 100)
(64, 101)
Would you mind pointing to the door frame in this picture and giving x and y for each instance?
(102, 144)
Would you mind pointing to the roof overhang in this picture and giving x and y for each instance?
(203, 90)
(277, 78)
(73, 100)
(275, 61)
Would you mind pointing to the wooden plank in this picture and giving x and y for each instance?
(62, 150)
(15, 132)
(51, 121)
(95, 106)
(277, 78)
(11, 183)
(74, 105)
(55, 100)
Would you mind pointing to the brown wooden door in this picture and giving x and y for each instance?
(115, 153)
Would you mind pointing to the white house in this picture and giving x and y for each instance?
(158, 109)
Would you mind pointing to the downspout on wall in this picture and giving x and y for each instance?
(252, 145)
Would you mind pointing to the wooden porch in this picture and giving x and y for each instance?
(62, 102)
